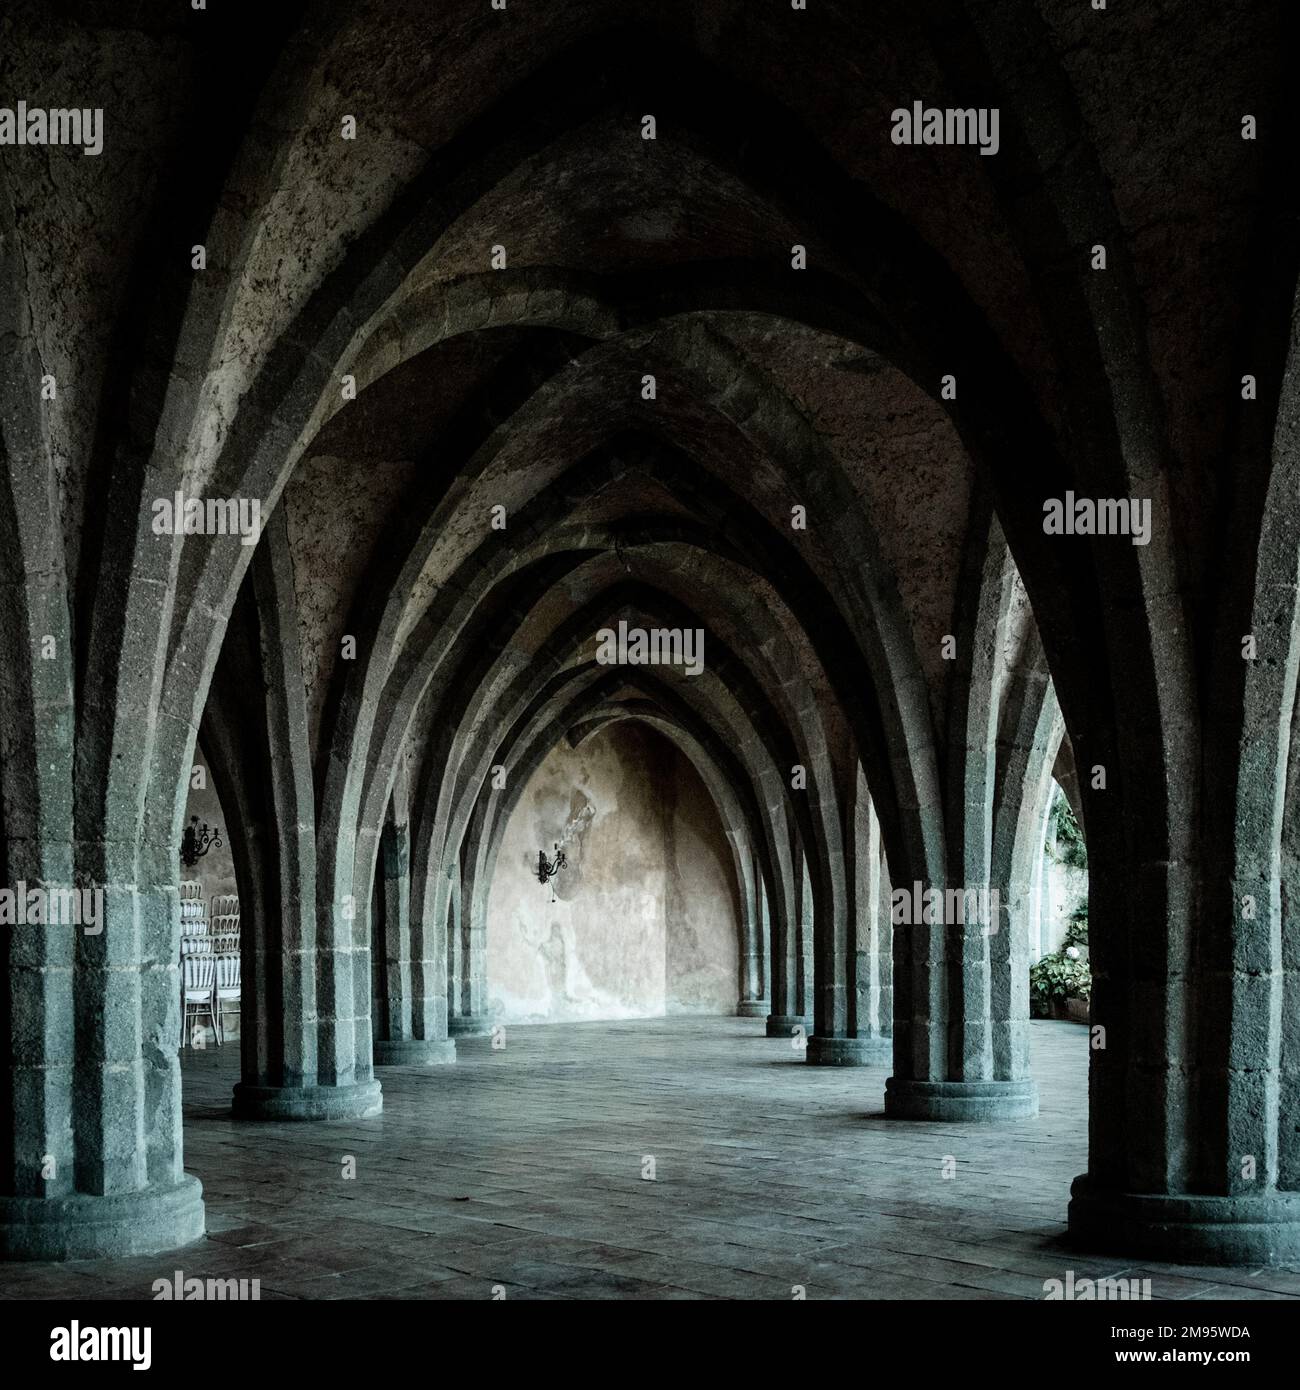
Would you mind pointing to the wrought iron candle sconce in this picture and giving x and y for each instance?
(548, 868)
(195, 843)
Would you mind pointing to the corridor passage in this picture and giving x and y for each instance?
(520, 1170)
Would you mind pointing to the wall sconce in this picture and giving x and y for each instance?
(547, 869)
(196, 843)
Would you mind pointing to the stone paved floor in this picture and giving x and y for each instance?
(522, 1169)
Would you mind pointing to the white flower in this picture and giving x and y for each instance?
(1072, 952)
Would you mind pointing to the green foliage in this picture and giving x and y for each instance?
(1057, 976)
(1070, 847)
(1076, 934)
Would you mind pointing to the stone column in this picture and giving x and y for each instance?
(1193, 1120)
(848, 1031)
(278, 1007)
(92, 1161)
(944, 1066)
(467, 1015)
(754, 1002)
(882, 937)
(763, 926)
(393, 936)
(943, 1052)
(873, 1005)
(1192, 1139)
(396, 1043)
(788, 922)
(1026, 754)
(313, 952)
(90, 1118)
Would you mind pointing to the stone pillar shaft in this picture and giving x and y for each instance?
(847, 1030)
(785, 918)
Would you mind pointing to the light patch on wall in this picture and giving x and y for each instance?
(646, 919)
(216, 870)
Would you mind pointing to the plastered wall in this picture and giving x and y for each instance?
(645, 920)
(216, 870)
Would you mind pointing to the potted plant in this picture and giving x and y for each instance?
(1060, 984)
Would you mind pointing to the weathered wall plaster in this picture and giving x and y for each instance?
(646, 920)
(216, 870)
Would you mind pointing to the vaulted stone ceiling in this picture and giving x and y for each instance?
(501, 371)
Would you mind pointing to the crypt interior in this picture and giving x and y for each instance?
(386, 360)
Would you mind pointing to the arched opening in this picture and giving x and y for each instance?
(522, 361)
(1060, 979)
(644, 919)
(211, 936)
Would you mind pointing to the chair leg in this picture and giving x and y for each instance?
(212, 1010)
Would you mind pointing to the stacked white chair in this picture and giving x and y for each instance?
(194, 924)
(199, 980)
(209, 956)
(198, 994)
(227, 988)
(224, 930)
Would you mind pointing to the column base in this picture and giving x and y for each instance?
(84, 1227)
(1253, 1229)
(469, 1026)
(414, 1052)
(753, 1008)
(849, 1052)
(960, 1100)
(786, 1025)
(357, 1102)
